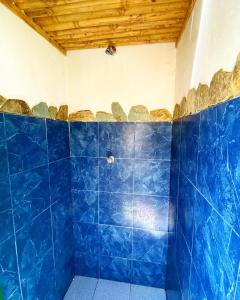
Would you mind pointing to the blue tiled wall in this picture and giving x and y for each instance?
(35, 209)
(205, 205)
(120, 210)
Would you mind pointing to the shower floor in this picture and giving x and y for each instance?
(85, 288)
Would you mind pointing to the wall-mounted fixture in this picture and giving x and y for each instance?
(110, 158)
(111, 50)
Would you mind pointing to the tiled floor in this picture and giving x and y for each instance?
(85, 288)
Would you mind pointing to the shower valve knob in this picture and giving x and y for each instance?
(110, 159)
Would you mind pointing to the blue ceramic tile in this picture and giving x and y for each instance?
(86, 238)
(176, 140)
(220, 258)
(115, 241)
(84, 138)
(148, 274)
(58, 140)
(8, 270)
(114, 268)
(26, 142)
(116, 177)
(62, 231)
(150, 212)
(37, 285)
(85, 206)
(84, 173)
(5, 195)
(174, 178)
(183, 265)
(60, 180)
(217, 172)
(63, 265)
(196, 290)
(186, 209)
(3, 154)
(115, 209)
(5, 202)
(237, 292)
(189, 145)
(116, 139)
(30, 194)
(150, 246)
(33, 242)
(6, 224)
(172, 216)
(153, 140)
(86, 265)
(151, 177)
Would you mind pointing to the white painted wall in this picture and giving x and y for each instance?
(30, 67)
(136, 75)
(210, 42)
(186, 53)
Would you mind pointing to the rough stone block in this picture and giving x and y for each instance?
(138, 113)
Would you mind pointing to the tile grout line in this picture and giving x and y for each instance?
(11, 198)
(95, 289)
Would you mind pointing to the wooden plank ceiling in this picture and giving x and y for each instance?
(83, 24)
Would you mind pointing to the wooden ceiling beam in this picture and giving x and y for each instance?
(188, 15)
(137, 10)
(114, 20)
(99, 5)
(70, 9)
(10, 5)
(117, 28)
(93, 37)
(37, 4)
(113, 33)
(33, 4)
(120, 42)
(126, 38)
(81, 24)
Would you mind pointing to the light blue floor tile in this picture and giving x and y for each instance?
(139, 292)
(112, 290)
(81, 288)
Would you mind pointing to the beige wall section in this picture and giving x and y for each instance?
(30, 67)
(219, 40)
(136, 75)
(210, 42)
(186, 52)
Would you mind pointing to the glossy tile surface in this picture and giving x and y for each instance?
(58, 140)
(84, 173)
(117, 177)
(116, 139)
(115, 268)
(206, 238)
(151, 177)
(84, 139)
(115, 241)
(26, 142)
(35, 208)
(115, 209)
(153, 140)
(30, 194)
(113, 203)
